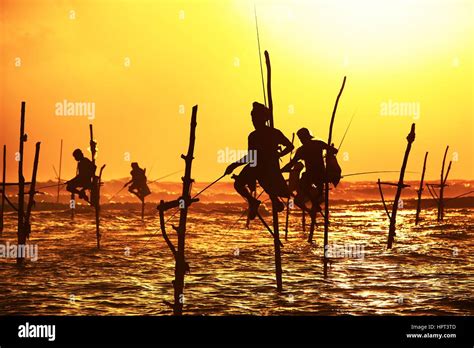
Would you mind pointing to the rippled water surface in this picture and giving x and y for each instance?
(429, 271)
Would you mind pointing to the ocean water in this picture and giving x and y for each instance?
(429, 271)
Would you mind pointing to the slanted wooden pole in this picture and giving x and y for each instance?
(420, 191)
(21, 184)
(326, 179)
(442, 185)
(4, 173)
(31, 195)
(400, 186)
(59, 173)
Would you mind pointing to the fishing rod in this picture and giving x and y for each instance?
(208, 186)
(348, 126)
(377, 172)
(55, 185)
(163, 177)
(260, 54)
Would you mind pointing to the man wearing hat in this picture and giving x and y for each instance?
(311, 152)
(265, 143)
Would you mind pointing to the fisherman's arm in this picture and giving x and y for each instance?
(244, 160)
(286, 143)
(293, 161)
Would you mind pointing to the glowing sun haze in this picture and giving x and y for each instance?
(142, 65)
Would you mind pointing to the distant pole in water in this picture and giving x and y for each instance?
(143, 208)
(21, 185)
(420, 191)
(4, 172)
(442, 185)
(184, 202)
(400, 186)
(59, 173)
(326, 181)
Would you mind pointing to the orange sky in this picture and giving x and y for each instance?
(204, 52)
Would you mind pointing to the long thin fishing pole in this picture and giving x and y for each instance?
(163, 177)
(348, 126)
(260, 55)
(377, 172)
(48, 186)
(208, 186)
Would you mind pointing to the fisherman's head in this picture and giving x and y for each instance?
(304, 135)
(260, 114)
(78, 155)
(134, 165)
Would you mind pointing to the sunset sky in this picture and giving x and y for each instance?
(142, 63)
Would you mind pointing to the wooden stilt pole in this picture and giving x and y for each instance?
(180, 268)
(184, 202)
(442, 185)
(420, 191)
(326, 180)
(143, 208)
(276, 243)
(276, 232)
(31, 196)
(400, 186)
(59, 173)
(303, 220)
(4, 173)
(72, 205)
(96, 183)
(311, 228)
(21, 185)
(289, 198)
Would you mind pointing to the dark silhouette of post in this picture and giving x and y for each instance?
(326, 181)
(289, 198)
(59, 173)
(303, 220)
(21, 183)
(442, 185)
(400, 187)
(96, 183)
(72, 205)
(184, 202)
(420, 191)
(276, 233)
(4, 174)
(31, 194)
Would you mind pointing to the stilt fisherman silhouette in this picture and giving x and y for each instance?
(268, 145)
(84, 176)
(138, 183)
(311, 183)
